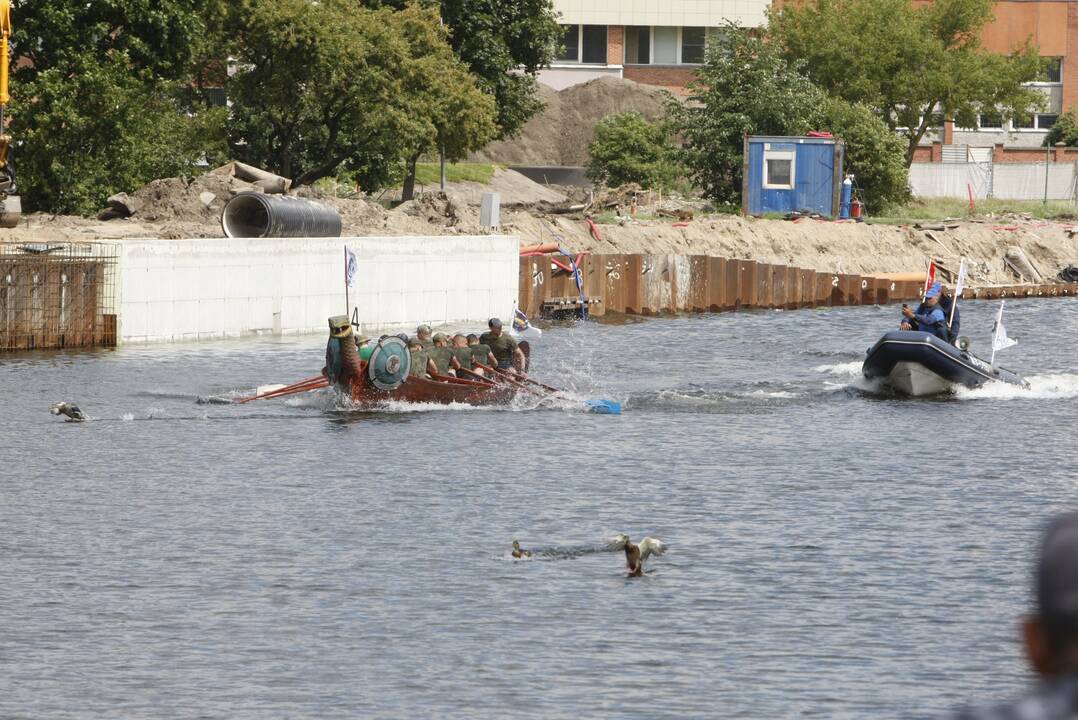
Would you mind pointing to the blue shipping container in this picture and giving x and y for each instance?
(788, 174)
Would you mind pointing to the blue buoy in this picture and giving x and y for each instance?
(603, 407)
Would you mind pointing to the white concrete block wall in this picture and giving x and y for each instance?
(176, 290)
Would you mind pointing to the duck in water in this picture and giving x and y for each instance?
(70, 410)
(518, 553)
(635, 555)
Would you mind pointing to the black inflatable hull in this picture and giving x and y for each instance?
(917, 364)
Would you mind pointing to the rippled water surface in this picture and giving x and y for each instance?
(833, 551)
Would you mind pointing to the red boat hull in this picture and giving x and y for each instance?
(421, 390)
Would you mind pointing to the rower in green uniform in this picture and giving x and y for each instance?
(480, 354)
(422, 333)
(504, 347)
(461, 352)
(420, 360)
(365, 347)
(442, 356)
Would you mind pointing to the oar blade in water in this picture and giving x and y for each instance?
(603, 407)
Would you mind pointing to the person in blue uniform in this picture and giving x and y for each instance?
(928, 317)
(946, 303)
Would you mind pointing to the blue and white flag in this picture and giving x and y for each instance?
(520, 320)
(351, 267)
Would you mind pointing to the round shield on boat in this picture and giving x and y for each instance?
(962, 343)
(389, 364)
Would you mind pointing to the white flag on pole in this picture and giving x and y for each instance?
(351, 267)
(960, 284)
(1000, 341)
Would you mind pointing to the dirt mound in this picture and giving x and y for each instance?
(560, 134)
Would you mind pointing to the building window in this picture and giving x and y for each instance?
(1053, 73)
(692, 44)
(779, 169)
(570, 44)
(584, 44)
(593, 44)
(1046, 121)
(990, 121)
(637, 45)
(664, 50)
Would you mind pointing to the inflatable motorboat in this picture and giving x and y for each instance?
(918, 363)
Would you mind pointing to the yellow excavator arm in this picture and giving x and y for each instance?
(10, 204)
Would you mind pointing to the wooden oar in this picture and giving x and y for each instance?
(313, 383)
(480, 378)
(600, 406)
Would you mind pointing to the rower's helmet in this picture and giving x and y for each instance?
(403, 337)
(933, 291)
(423, 330)
(340, 326)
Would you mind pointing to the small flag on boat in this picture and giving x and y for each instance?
(930, 279)
(960, 284)
(1000, 341)
(351, 267)
(520, 320)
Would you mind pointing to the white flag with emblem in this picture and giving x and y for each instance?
(961, 282)
(1000, 341)
(351, 267)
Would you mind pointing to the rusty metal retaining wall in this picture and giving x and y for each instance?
(654, 284)
(56, 296)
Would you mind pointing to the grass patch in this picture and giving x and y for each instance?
(431, 174)
(958, 208)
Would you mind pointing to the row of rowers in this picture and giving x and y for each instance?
(441, 354)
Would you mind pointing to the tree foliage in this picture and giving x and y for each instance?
(101, 105)
(629, 149)
(1065, 130)
(329, 86)
(875, 154)
(745, 87)
(914, 64)
(504, 44)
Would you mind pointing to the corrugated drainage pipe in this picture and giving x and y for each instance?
(252, 215)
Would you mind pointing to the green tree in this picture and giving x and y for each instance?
(102, 105)
(875, 154)
(452, 115)
(1065, 130)
(504, 44)
(629, 149)
(913, 64)
(329, 87)
(745, 87)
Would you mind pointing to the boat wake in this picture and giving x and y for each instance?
(1041, 387)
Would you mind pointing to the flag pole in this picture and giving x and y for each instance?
(995, 332)
(347, 299)
(957, 290)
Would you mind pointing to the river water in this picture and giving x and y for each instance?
(834, 552)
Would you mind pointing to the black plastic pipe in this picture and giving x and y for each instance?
(252, 215)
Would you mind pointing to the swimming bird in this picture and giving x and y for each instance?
(635, 555)
(518, 553)
(70, 410)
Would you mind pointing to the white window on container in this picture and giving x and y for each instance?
(570, 44)
(693, 40)
(664, 48)
(779, 168)
(593, 44)
(637, 45)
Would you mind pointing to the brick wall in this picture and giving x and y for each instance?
(673, 79)
(615, 45)
(1003, 154)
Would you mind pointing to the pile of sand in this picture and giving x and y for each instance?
(560, 134)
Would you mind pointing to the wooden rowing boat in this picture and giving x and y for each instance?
(385, 378)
